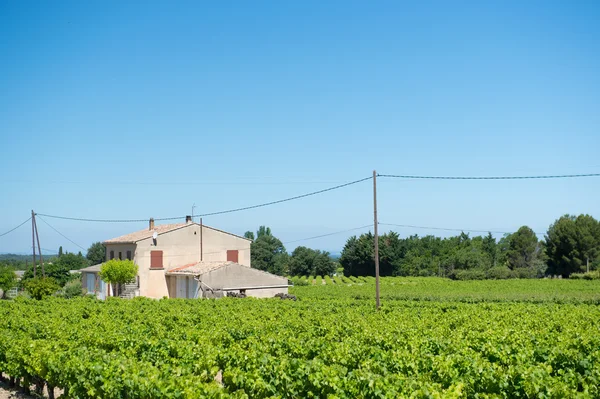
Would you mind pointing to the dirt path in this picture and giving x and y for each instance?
(15, 393)
(9, 393)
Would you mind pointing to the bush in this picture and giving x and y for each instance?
(469, 274)
(73, 289)
(299, 281)
(594, 275)
(500, 273)
(8, 279)
(525, 272)
(591, 275)
(41, 287)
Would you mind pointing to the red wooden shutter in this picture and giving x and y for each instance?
(232, 255)
(156, 259)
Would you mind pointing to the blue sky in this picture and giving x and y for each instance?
(139, 109)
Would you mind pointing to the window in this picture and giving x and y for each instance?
(192, 288)
(112, 254)
(156, 259)
(120, 255)
(128, 255)
(90, 283)
(232, 255)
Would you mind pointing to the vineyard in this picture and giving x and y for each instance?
(431, 338)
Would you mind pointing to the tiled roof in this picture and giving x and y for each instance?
(91, 269)
(145, 233)
(160, 229)
(199, 267)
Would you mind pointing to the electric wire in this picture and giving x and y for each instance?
(490, 177)
(211, 213)
(284, 243)
(64, 236)
(329, 234)
(13, 229)
(449, 229)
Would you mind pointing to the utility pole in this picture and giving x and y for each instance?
(201, 241)
(39, 247)
(33, 240)
(376, 239)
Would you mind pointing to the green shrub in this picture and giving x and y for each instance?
(41, 287)
(73, 289)
(469, 274)
(500, 273)
(593, 275)
(299, 281)
(525, 272)
(8, 279)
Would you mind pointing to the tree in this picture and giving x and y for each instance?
(60, 251)
(96, 253)
(309, 262)
(249, 235)
(8, 279)
(490, 247)
(570, 242)
(268, 253)
(263, 231)
(523, 249)
(60, 268)
(357, 257)
(116, 272)
(41, 287)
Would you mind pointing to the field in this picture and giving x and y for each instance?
(431, 338)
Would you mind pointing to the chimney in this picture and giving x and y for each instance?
(188, 219)
(151, 227)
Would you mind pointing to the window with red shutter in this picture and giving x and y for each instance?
(156, 259)
(232, 255)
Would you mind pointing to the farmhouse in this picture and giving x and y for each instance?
(185, 260)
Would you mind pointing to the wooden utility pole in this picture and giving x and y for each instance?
(37, 236)
(33, 240)
(34, 235)
(376, 239)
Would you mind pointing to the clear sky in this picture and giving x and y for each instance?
(136, 109)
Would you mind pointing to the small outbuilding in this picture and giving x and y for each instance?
(217, 279)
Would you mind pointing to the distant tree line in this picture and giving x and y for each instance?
(571, 245)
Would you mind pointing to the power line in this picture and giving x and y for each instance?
(184, 183)
(286, 199)
(211, 213)
(329, 234)
(490, 177)
(448, 229)
(285, 242)
(13, 229)
(64, 236)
